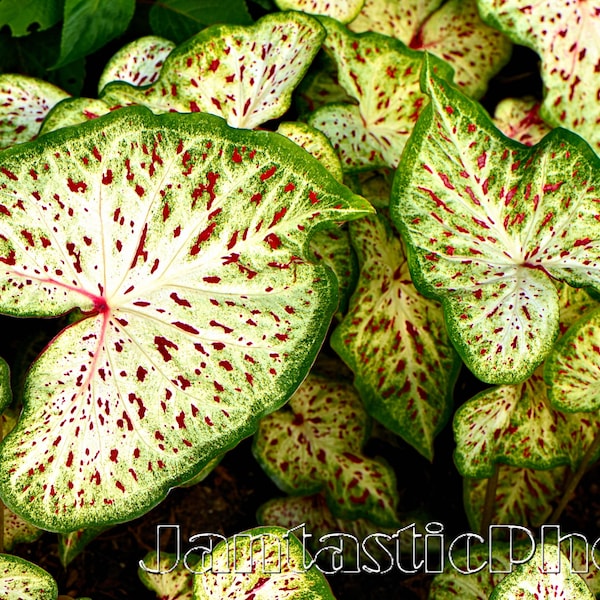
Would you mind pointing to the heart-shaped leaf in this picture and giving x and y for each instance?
(571, 370)
(137, 63)
(244, 74)
(520, 120)
(22, 580)
(565, 36)
(171, 583)
(341, 10)
(395, 341)
(548, 573)
(383, 75)
(401, 20)
(489, 222)
(263, 563)
(523, 496)
(182, 243)
(24, 103)
(515, 425)
(315, 443)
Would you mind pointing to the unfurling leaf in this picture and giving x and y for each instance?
(489, 223)
(183, 244)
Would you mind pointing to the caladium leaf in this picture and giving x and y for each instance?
(574, 303)
(565, 36)
(571, 370)
(244, 74)
(137, 63)
(24, 103)
(22, 580)
(395, 341)
(374, 185)
(71, 544)
(264, 563)
(73, 111)
(547, 575)
(401, 20)
(343, 11)
(520, 120)
(182, 243)
(171, 583)
(383, 75)
(457, 34)
(523, 496)
(489, 222)
(315, 444)
(515, 425)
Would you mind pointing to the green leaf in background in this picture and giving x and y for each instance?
(179, 20)
(72, 544)
(315, 444)
(182, 241)
(489, 223)
(22, 580)
(90, 24)
(25, 16)
(395, 341)
(343, 11)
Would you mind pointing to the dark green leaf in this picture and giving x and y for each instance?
(25, 16)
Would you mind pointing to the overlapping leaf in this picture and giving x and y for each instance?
(265, 563)
(383, 75)
(565, 35)
(181, 241)
(24, 103)
(489, 222)
(395, 341)
(172, 583)
(549, 574)
(71, 544)
(22, 580)
(244, 74)
(315, 444)
(523, 496)
(73, 111)
(520, 120)
(515, 425)
(137, 63)
(341, 10)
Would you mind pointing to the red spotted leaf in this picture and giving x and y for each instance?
(73, 111)
(315, 444)
(182, 243)
(565, 35)
(395, 341)
(72, 544)
(520, 120)
(175, 579)
(490, 223)
(342, 10)
(22, 580)
(244, 74)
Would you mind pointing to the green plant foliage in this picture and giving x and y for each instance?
(315, 444)
(162, 343)
(489, 223)
(170, 584)
(343, 11)
(89, 25)
(520, 120)
(179, 20)
(22, 580)
(25, 16)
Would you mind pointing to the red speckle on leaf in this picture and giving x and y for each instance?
(141, 373)
(139, 190)
(113, 455)
(185, 327)
(202, 237)
(179, 301)
(214, 65)
(273, 241)
(236, 156)
(226, 365)
(268, 173)
(140, 252)
(290, 187)
(163, 345)
(8, 173)
(79, 186)
(278, 216)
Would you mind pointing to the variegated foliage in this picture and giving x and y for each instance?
(22, 580)
(182, 242)
(395, 341)
(315, 444)
(265, 563)
(244, 74)
(490, 223)
(382, 74)
(341, 10)
(520, 120)
(172, 582)
(565, 35)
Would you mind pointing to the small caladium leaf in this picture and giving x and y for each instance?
(315, 444)
(72, 544)
(489, 222)
(395, 341)
(170, 583)
(137, 63)
(263, 563)
(565, 37)
(244, 74)
(18, 531)
(476, 51)
(22, 580)
(24, 103)
(523, 496)
(574, 303)
(548, 573)
(383, 75)
(183, 243)
(401, 20)
(73, 111)
(520, 120)
(515, 425)
(571, 370)
(343, 11)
